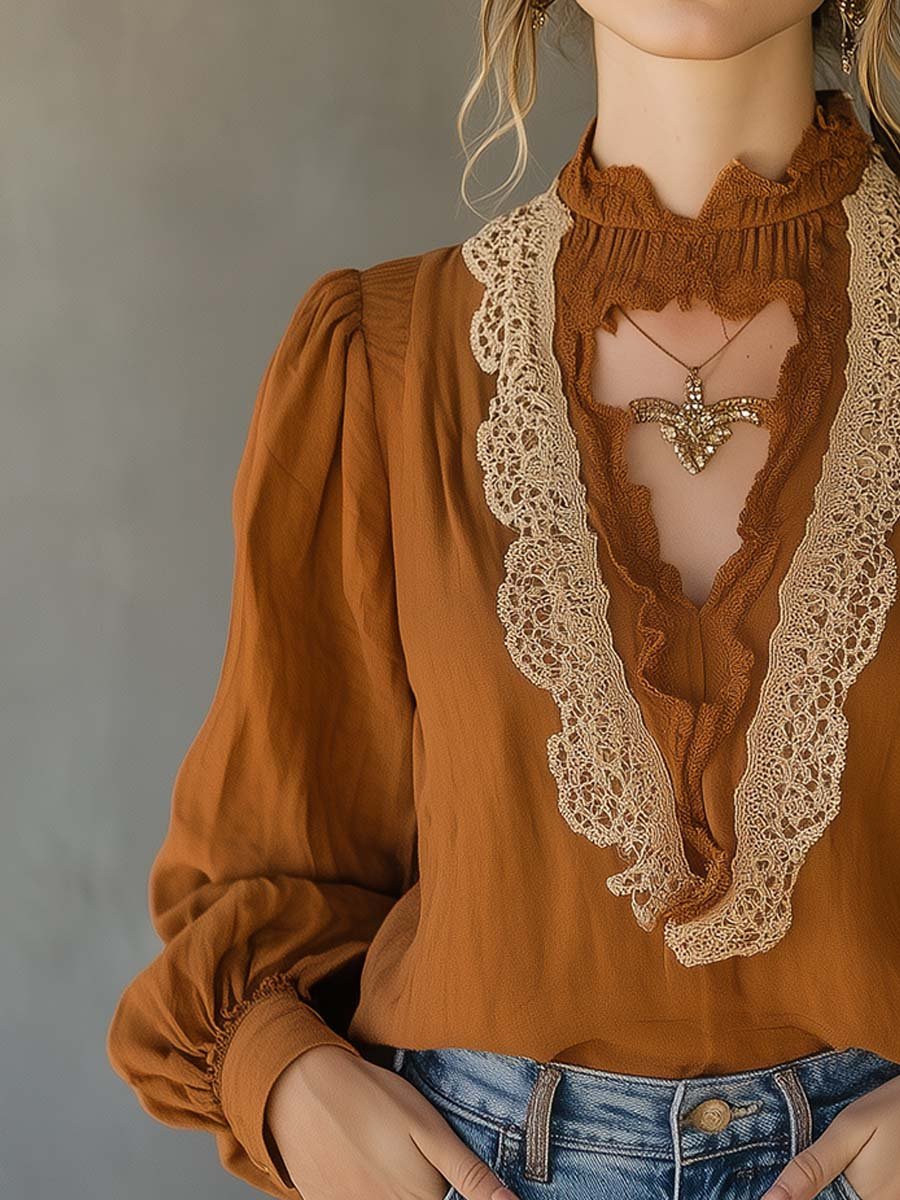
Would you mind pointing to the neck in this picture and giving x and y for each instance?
(682, 119)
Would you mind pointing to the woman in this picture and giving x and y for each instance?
(541, 837)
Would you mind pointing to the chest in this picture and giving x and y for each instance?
(695, 515)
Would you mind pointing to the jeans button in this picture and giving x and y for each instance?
(711, 1115)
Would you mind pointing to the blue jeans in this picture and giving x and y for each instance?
(554, 1131)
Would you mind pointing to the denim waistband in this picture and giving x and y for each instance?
(663, 1117)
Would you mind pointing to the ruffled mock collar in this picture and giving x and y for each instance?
(823, 162)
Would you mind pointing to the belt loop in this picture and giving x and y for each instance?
(537, 1123)
(399, 1058)
(798, 1109)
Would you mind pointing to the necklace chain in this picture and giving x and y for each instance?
(688, 366)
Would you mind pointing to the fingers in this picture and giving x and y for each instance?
(820, 1163)
(474, 1179)
(459, 1164)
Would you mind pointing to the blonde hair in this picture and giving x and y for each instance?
(509, 54)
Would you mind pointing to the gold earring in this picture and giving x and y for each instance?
(853, 14)
(539, 13)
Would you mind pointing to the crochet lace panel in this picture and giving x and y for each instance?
(613, 784)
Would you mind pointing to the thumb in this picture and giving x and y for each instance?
(818, 1165)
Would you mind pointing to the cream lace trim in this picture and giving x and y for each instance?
(613, 784)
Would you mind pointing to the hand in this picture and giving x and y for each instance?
(346, 1127)
(861, 1141)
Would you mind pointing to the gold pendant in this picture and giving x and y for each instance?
(696, 430)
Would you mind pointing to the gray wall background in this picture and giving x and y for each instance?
(174, 175)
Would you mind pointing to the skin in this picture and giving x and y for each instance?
(683, 86)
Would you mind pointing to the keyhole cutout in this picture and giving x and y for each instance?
(696, 516)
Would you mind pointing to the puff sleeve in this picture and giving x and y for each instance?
(291, 830)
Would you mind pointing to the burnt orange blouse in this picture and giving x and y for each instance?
(476, 772)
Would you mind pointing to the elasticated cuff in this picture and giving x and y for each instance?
(271, 1034)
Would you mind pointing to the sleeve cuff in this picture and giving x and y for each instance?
(271, 1034)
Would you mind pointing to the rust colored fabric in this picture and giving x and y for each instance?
(365, 844)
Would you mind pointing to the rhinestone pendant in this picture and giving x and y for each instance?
(696, 430)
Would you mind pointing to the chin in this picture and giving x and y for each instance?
(698, 29)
